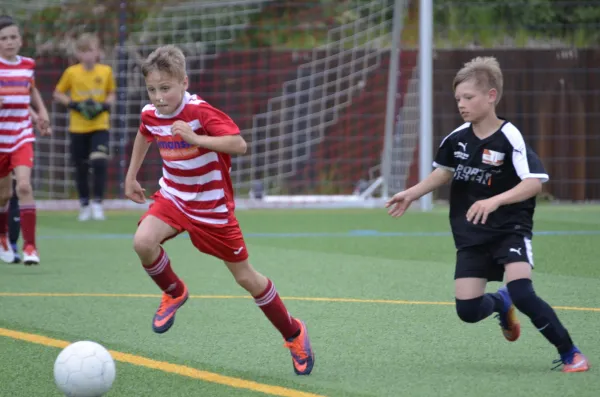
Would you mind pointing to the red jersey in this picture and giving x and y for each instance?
(16, 81)
(195, 179)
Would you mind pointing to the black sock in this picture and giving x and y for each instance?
(100, 170)
(81, 180)
(540, 313)
(498, 301)
(14, 218)
(476, 309)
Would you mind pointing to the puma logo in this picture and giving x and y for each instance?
(517, 250)
(463, 145)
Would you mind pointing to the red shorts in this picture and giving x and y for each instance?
(22, 156)
(225, 242)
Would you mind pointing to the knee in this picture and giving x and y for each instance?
(468, 309)
(24, 190)
(98, 159)
(144, 244)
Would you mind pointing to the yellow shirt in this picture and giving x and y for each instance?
(81, 84)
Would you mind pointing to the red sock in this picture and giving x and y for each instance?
(272, 306)
(4, 220)
(28, 221)
(162, 274)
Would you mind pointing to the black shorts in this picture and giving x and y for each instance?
(488, 260)
(84, 144)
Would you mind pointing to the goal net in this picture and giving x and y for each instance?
(305, 81)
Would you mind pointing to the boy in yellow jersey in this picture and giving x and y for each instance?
(88, 90)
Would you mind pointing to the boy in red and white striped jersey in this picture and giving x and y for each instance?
(17, 93)
(196, 195)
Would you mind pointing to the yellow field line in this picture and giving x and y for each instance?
(290, 298)
(167, 367)
(580, 309)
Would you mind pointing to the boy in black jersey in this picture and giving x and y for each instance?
(495, 178)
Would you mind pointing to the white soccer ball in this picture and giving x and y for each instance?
(84, 369)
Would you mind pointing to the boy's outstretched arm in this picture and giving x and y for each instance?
(437, 178)
(133, 190)
(401, 201)
(138, 154)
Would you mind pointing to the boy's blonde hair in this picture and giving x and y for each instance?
(87, 41)
(166, 59)
(484, 71)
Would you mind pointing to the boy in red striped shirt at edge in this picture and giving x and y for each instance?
(17, 94)
(196, 195)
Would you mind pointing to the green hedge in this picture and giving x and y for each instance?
(519, 23)
(49, 25)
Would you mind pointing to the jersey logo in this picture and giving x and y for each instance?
(472, 174)
(175, 149)
(15, 87)
(462, 155)
(492, 157)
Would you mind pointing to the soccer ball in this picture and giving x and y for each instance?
(84, 369)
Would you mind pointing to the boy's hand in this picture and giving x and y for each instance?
(480, 210)
(399, 203)
(184, 130)
(135, 192)
(77, 106)
(89, 108)
(43, 124)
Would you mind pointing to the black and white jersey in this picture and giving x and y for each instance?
(484, 168)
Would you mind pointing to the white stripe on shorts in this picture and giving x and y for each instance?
(528, 250)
